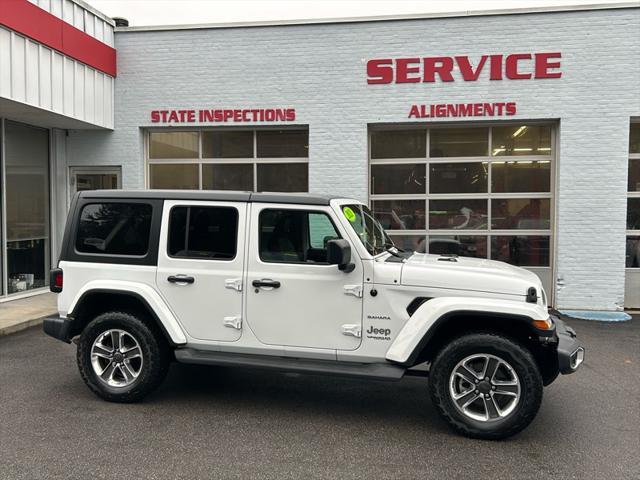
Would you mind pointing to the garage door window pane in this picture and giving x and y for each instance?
(233, 176)
(283, 177)
(173, 145)
(634, 138)
(633, 214)
(458, 177)
(521, 140)
(521, 213)
(509, 177)
(464, 246)
(459, 142)
(410, 243)
(399, 144)
(400, 214)
(524, 251)
(398, 179)
(282, 143)
(225, 144)
(174, 176)
(634, 175)
(633, 252)
(467, 214)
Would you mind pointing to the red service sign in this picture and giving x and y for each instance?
(224, 115)
(515, 66)
(443, 110)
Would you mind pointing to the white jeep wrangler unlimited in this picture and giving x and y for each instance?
(298, 283)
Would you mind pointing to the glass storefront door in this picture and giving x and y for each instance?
(26, 196)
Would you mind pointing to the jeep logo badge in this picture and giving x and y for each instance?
(379, 333)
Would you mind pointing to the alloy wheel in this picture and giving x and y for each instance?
(116, 358)
(484, 387)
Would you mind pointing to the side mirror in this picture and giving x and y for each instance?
(339, 253)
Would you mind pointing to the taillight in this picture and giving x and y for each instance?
(55, 280)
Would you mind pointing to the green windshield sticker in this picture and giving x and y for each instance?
(350, 214)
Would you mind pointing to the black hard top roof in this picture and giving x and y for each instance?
(210, 195)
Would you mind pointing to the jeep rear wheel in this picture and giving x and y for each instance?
(486, 386)
(120, 358)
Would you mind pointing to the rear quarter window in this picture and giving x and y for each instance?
(114, 229)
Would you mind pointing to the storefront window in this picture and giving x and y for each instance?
(486, 194)
(227, 176)
(282, 143)
(283, 177)
(227, 159)
(634, 138)
(227, 144)
(27, 207)
(521, 140)
(633, 202)
(182, 176)
(173, 145)
(458, 142)
(399, 144)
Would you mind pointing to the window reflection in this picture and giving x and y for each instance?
(521, 213)
(400, 214)
(461, 214)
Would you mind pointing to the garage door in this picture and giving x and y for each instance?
(471, 190)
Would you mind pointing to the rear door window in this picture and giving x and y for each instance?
(114, 229)
(203, 232)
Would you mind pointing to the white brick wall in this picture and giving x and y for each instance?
(320, 70)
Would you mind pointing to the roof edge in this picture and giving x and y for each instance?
(384, 18)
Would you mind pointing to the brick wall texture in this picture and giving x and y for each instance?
(320, 71)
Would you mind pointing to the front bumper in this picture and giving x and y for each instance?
(570, 349)
(58, 327)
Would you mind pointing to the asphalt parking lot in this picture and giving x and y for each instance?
(221, 423)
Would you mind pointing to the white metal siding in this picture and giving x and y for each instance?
(39, 76)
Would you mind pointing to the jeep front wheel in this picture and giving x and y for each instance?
(120, 358)
(486, 386)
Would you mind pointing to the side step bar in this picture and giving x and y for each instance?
(374, 371)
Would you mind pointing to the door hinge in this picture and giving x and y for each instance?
(233, 284)
(355, 290)
(352, 330)
(233, 322)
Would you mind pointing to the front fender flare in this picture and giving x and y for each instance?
(425, 320)
(146, 294)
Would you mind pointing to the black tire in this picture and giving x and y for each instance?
(517, 356)
(155, 357)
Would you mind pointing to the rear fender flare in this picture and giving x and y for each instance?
(416, 333)
(145, 293)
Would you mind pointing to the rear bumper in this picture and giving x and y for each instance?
(570, 349)
(58, 327)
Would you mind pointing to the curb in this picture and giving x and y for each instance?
(18, 327)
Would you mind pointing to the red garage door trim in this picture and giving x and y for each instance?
(25, 18)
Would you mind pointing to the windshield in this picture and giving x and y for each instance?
(369, 230)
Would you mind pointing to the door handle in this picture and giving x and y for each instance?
(266, 282)
(184, 279)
